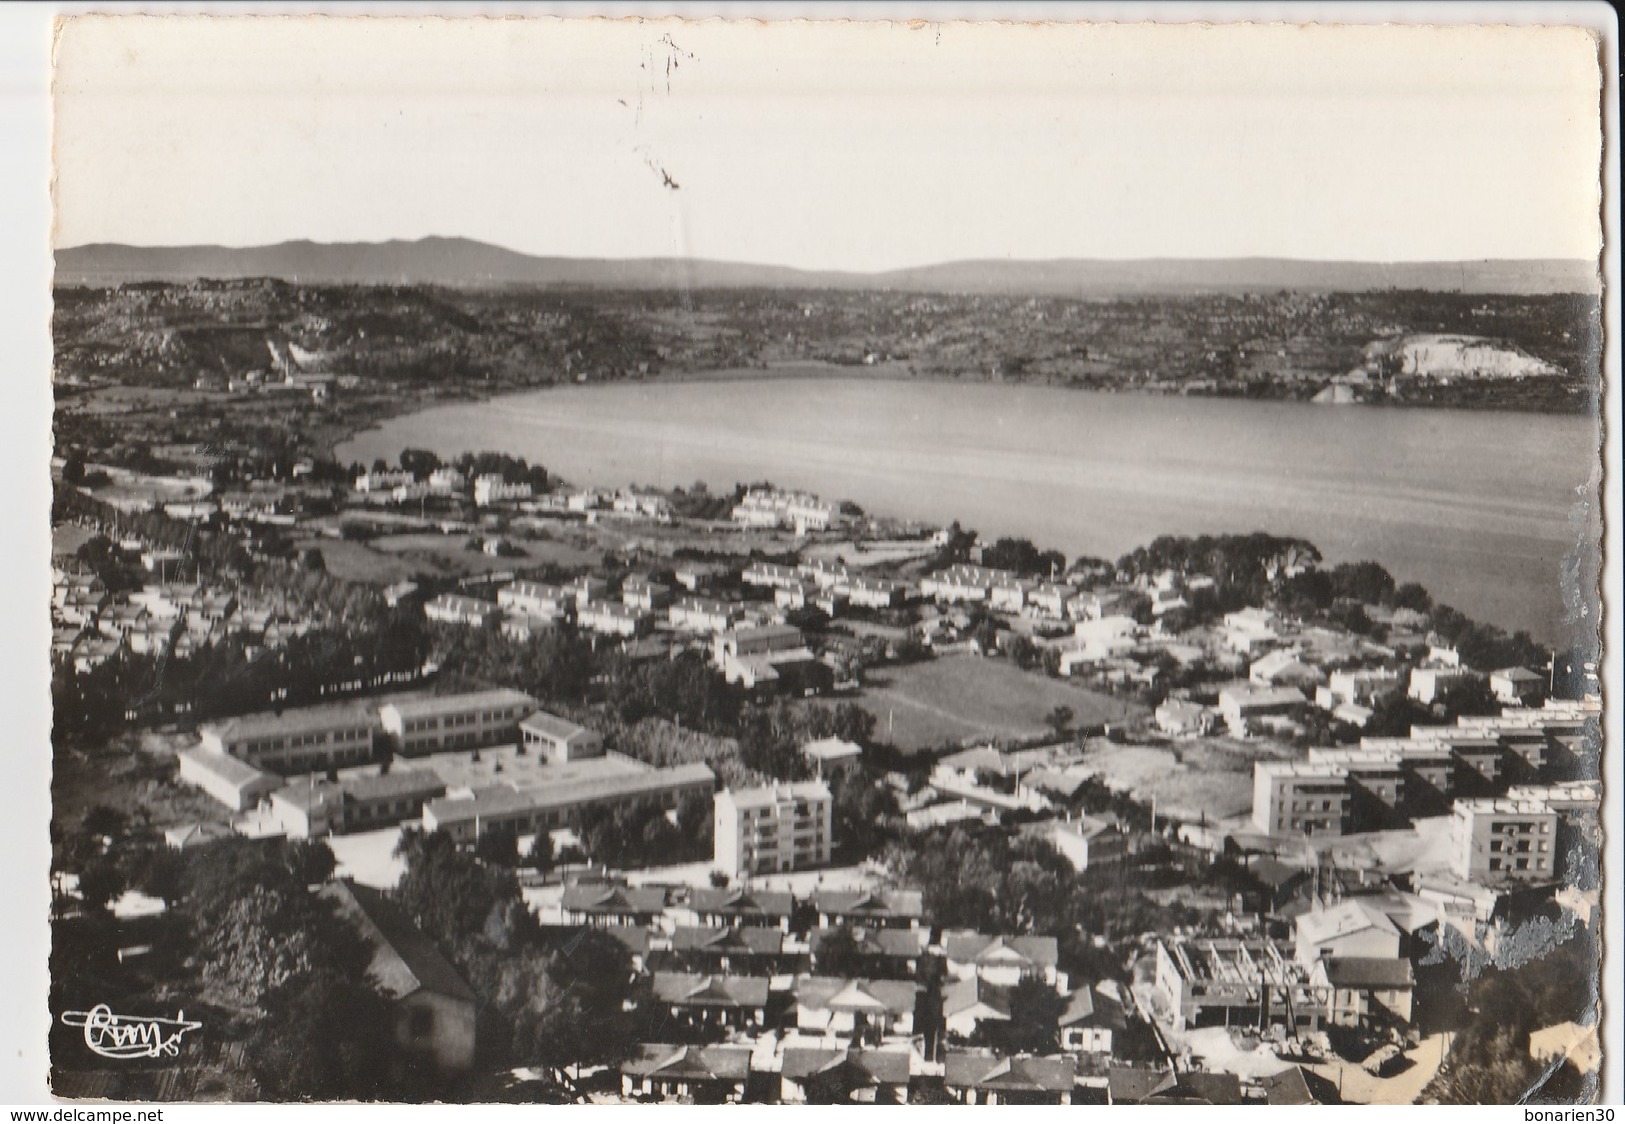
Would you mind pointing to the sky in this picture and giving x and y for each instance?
(842, 146)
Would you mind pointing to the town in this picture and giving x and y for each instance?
(449, 778)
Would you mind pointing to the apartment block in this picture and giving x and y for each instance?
(774, 828)
(1297, 798)
(1504, 840)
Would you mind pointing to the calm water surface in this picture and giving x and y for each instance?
(1483, 508)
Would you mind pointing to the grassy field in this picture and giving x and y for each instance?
(393, 558)
(961, 698)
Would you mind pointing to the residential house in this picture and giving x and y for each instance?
(697, 1074)
(536, 599)
(855, 1008)
(844, 1076)
(605, 905)
(729, 951)
(832, 755)
(1002, 960)
(435, 1007)
(1245, 708)
(710, 906)
(641, 593)
(971, 1003)
(879, 953)
(888, 909)
(1090, 1019)
(1350, 928)
(1518, 686)
(1367, 991)
(731, 1001)
(982, 1077)
(1181, 718)
(1087, 841)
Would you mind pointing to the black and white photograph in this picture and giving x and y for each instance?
(785, 561)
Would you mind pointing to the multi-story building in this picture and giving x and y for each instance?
(308, 739)
(536, 599)
(611, 619)
(466, 721)
(769, 575)
(872, 593)
(1238, 982)
(701, 614)
(774, 828)
(492, 488)
(1300, 798)
(641, 593)
(1496, 841)
(453, 608)
(369, 482)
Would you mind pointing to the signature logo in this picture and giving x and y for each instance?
(130, 1036)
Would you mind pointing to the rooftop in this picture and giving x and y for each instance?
(298, 720)
(435, 705)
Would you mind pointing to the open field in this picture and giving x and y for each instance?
(1211, 778)
(392, 558)
(960, 698)
(67, 538)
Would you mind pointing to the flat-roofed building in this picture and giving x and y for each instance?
(463, 721)
(468, 814)
(309, 808)
(1300, 798)
(236, 784)
(301, 740)
(1496, 841)
(773, 828)
(559, 739)
(1235, 981)
(388, 798)
(1243, 707)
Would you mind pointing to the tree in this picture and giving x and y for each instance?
(498, 846)
(448, 893)
(311, 559)
(1035, 1015)
(839, 954)
(1060, 720)
(540, 857)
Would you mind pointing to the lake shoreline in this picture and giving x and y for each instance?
(1473, 505)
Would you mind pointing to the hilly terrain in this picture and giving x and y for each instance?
(463, 262)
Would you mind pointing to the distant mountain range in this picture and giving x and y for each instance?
(465, 262)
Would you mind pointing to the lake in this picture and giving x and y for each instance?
(1484, 508)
